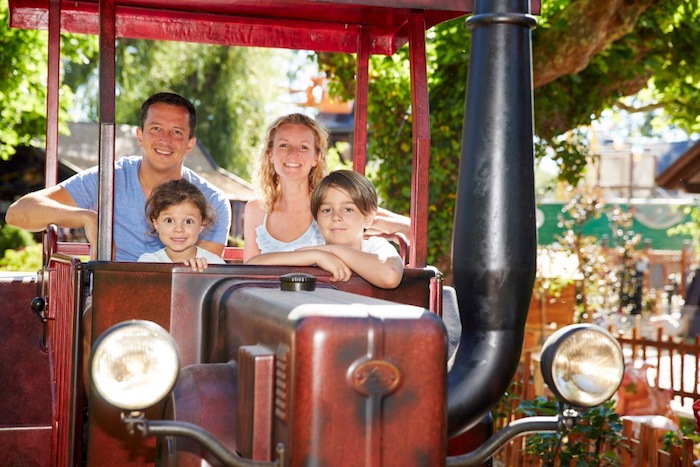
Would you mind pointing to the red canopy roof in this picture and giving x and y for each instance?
(318, 25)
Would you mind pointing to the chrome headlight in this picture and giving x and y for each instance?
(134, 364)
(582, 364)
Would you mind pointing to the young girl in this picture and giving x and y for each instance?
(179, 212)
(344, 204)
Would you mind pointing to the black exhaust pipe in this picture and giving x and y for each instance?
(495, 240)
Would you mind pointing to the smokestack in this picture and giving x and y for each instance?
(495, 239)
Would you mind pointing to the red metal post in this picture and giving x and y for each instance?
(359, 159)
(421, 141)
(52, 87)
(105, 199)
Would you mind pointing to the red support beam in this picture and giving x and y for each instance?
(421, 141)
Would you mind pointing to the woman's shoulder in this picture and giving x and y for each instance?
(254, 209)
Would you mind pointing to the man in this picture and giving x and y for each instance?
(166, 136)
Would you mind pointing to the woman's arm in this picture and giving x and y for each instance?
(387, 222)
(253, 216)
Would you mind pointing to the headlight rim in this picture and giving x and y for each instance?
(104, 338)
(548, 357)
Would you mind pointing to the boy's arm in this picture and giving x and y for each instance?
(384, 272)
(308, 257)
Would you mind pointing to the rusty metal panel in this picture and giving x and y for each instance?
(378, 358)
(256, 372)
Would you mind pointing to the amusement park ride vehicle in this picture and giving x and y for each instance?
(263, 365)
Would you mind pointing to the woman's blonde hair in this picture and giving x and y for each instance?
(267, 182)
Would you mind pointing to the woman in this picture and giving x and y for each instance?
(292, 162)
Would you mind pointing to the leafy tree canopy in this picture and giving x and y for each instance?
(588, 56)
(23, 70)
(231, 95)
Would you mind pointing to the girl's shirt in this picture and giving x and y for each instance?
(161, 256)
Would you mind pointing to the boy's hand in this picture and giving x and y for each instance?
(334, 265)
(197, 264)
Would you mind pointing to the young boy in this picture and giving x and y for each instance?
(344, 204)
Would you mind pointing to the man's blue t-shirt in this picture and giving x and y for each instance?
(131, 228)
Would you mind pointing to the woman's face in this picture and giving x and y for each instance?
(293, 151)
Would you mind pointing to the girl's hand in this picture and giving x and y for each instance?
(197, 264)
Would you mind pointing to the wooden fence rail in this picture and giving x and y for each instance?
(673, 362)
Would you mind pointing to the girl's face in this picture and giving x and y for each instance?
(293, 151)
(179, 227)
(340, 221)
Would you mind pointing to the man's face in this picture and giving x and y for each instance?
(165, 139)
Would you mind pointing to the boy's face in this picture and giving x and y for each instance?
(340, 220)
(179, 227)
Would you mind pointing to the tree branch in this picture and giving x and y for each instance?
(642, 109)
(579, 32)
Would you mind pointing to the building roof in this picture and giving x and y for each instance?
(683, 173)
(78, 151)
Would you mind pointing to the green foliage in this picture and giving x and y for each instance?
(506, 404)
(691, 228)
(12, 237)
(608, 271)
(593, 440)
(25, 259)
(23, 69)
(22, 85)
(657, 52)
(231, 94)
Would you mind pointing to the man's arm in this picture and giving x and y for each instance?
(53, 205)
(306, 257)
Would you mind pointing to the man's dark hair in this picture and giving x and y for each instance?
(172, 99)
